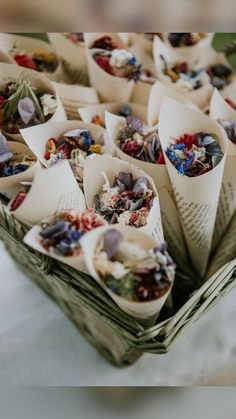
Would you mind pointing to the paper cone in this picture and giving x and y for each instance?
(111, 167)
(74, 97)
(109, 87)
(73, 54)
(226, 250)
(229, 91)
(10, 185)
(192, 53)
(36, 137)
(142, 40)
(219, 109)
(28, 44)
(33, 239)
(53, 190)
(144, 312)
(197, 198)
(88, 112)
(157, 93)
(39, 81)
(159, 174)
(199, 96)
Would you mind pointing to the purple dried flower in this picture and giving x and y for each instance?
(5, 153)
(112, 239)
(26, 109)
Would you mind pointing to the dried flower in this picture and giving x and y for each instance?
(195, 154)
(131, 271)
(62, 234)
(75, 146)
(119, 63)
(181, 74)
(220, 75)
(38, 59)
(230, 129)
(132, 141)
(12, 164)
(127, 202)
(184, 39)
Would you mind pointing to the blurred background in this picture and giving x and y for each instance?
(113, 15)
(207, 403)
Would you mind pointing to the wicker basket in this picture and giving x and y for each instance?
(118, 337)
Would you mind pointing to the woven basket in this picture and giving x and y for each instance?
(118, 337)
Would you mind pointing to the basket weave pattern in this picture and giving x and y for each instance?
(115, 335)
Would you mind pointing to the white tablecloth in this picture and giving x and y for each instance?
(40, 346)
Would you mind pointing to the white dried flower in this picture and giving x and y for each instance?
(120, 58)
(49, 104)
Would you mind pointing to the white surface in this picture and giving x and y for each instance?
(40, 346)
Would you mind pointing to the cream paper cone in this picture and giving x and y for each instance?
(88, 112)
(10, 185)
(36, 137)
(158, 172)
(39, 81)
(229, 91)
(142, 40)
(91, 37)
(111, 166)
(74, 97)
(28, 44)
(199, 96)
(73, 54)
(53, 190)
(197, 198)
(193, 53)
(145, 312)
(219, 109)
(33, 240)
(226, 251)
(157, 93)
(109, 87)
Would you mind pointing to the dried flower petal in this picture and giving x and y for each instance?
(26, 109)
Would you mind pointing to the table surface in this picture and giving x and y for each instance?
(40, 346)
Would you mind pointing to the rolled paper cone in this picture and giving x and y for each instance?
(27, 44)
(199, 96)
(159, 174)
(73, 97)
(226, 251)
(213, 58)
(88, 112)
(6, 58)
(142, 40)
(73, 54)
(91, 37)
(109, 87)
(144, 312)
(192, 53)
(220, 109)
(197, 197)
(53, 190)
(39, 81)
(33, 240)
(111, 167)
(10, 185)
(144, 58)
(36, 137)
(141, 92)
(229, 92)
(157, 93)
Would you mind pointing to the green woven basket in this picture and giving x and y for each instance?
(118, 337)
